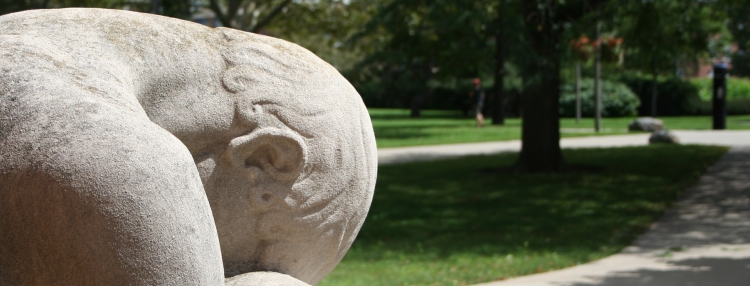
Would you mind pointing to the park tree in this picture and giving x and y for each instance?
(660, 33)
(507, 27)
(182, 9)
(498, 71)
(738, 13)
(546, 22)
(10, 6)
(172, 8)
(421, 41)
(657, 33)
(247, 15)
(324, 26)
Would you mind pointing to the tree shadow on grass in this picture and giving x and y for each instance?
(566, 168)
(426, 114)
(451, 207)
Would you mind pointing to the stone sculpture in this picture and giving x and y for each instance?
(142, 150)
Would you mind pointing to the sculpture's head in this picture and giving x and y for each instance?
(291, 189)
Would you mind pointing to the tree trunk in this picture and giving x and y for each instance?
(540, 135)
(416, 107)
(267, 20)
(654, 93)
(498, 115)
(578, 91)
(228, 19)
(418, 102)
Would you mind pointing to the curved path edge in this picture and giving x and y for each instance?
(704, 239)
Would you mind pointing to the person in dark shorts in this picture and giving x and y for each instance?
(478, 96)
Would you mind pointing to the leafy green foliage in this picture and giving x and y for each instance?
(737, 106)
(463, 221)
(738, 94)
(419, 45)
(738, 22)
(737, 88)
(445, 35)
(10, 6)
(323, 27)
(247, 15)
(659, 33)
(676, 97)
(617, 99)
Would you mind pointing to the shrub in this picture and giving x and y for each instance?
(617, 99)
(737, 88)
(734, 107)
(675, 97)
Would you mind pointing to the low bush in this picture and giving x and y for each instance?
(735, 106)
(675, 97)
(737, 88)
(617, 99)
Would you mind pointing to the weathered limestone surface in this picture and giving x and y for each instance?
(142, 150)
(648, 124)
(663, 136)
(264, 279)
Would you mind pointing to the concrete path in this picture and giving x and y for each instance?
(704, 240)
(423, 153)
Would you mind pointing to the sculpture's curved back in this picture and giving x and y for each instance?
(138, 149)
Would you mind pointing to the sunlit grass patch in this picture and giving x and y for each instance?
(394, 127)
(463, 221)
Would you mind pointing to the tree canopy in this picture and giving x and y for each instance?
(660, 33)
(411, 53)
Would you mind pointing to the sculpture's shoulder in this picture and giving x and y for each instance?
(85, 32)
(110, 54)
(244, 47)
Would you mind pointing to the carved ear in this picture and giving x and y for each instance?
(280, 154)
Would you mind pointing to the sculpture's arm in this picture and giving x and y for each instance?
(91, 194)
(264, 279)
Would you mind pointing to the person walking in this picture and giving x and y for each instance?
(478, 95)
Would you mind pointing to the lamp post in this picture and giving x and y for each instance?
(598, 78)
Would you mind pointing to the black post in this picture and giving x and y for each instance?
(719, 97)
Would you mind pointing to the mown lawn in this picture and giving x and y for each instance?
(394, 127)
(463, 221)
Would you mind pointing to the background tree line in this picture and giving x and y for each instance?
(423, 53)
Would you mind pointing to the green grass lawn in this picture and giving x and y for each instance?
(394, 127)
(463, 221)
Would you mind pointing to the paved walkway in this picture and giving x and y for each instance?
(703, 240)
(422, 153)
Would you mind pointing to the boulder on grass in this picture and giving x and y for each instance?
(648, 124)
(663, 136)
